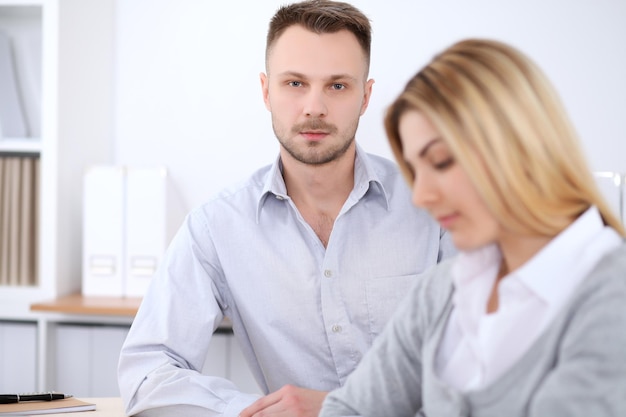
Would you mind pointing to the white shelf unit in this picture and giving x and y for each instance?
(21, 22)
(20, 145)
(75, 41)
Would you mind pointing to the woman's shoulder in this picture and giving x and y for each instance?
(603, 291)
(611, 269)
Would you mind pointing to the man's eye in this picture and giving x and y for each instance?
(295, 83)
(338, 86)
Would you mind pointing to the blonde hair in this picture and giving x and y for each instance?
(505, 125)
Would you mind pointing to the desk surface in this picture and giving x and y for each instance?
(105, 407)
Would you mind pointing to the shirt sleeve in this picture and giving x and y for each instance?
(161, 360)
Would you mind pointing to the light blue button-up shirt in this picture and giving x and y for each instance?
(302, 314)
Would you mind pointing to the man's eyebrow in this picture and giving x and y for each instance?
(302, 76)
(342, 77)
(292, 74)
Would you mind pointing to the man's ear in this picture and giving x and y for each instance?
(265, 89)
(367, 94)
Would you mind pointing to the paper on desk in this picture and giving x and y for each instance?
(27, 408)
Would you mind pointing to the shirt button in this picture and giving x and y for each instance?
(279, 197)
(328, 273)
(336, 328)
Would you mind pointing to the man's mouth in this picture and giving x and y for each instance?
(314, 135)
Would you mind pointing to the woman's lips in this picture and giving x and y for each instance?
(447, 220)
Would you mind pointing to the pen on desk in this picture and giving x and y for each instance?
(40, 396)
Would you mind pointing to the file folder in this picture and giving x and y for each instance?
(146, 226)
(103, 231)
(130, 216)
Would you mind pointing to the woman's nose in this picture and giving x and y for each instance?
(424, 190)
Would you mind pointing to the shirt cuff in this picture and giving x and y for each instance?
(237, 404)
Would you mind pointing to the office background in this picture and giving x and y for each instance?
(187, 91)
(178, 86)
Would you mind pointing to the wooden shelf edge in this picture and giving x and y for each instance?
(101, 306)
(86, 305)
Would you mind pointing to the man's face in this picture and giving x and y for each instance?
(316, 90)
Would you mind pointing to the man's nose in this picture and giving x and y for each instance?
(315, 104)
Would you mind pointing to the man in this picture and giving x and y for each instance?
(308, 258)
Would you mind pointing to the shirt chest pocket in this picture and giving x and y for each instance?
(383, 295)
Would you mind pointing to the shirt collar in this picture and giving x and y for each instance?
(470, 264)
(473, 273)
(366, 178)
(550, 271)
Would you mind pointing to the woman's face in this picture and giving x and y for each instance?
(442, 187)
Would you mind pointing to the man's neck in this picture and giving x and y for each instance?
(320, 185)
(319, 191)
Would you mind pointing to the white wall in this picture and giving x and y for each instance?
(188, 94)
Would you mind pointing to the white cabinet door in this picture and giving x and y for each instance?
(226, 360)
(107, 343)
(18, 357)
(240, 372)
(86, 359)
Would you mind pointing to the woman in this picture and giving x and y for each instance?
(530, 318)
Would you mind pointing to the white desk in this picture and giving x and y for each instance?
(105, 407)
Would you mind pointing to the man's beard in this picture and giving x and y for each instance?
(316, 153)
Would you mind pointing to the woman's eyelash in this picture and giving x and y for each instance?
(444, 164)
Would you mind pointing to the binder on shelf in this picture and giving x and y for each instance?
(14, 216)
(103, 231)
(28, 222)
(149, 216)
(146, 220)
(5, 219)
(18, 222)
(12, 122)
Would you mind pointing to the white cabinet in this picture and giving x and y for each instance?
(87, 355)
(78, 340)
(225, 359)
(65, 49)
(18, 342)
(86, 359)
